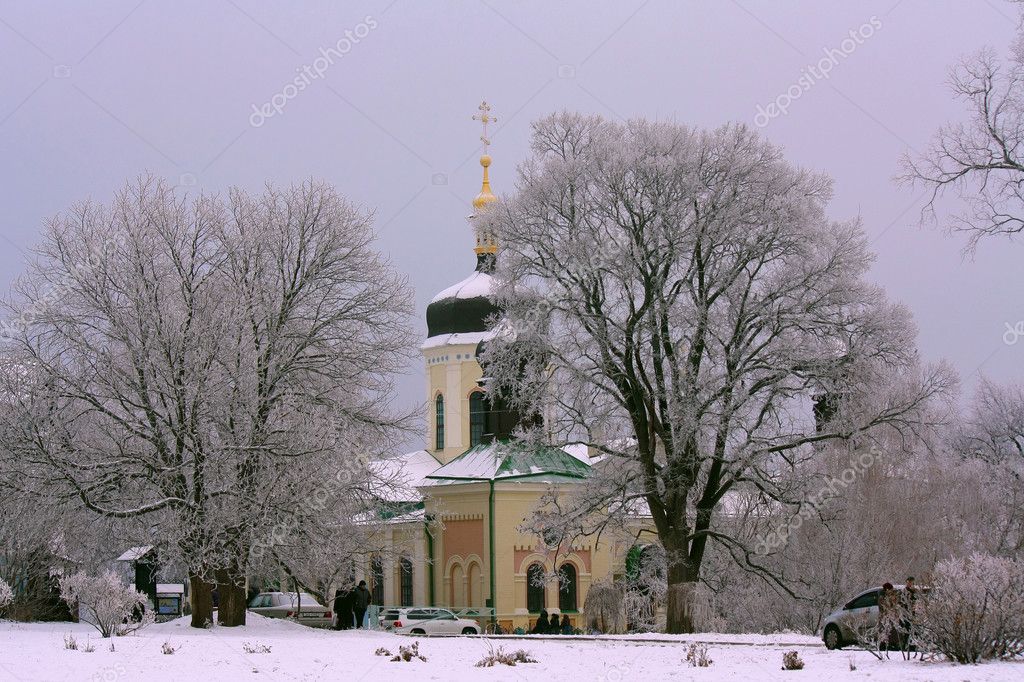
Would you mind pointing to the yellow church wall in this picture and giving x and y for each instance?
(461, 553)
(461, 540)
(453, 372)
(515, 551)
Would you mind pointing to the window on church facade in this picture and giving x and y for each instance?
(439, 422)
(567, 588)
(477, 418)
(406, 578)
(534, 588)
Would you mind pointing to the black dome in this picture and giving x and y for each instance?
(464, 307)
(459, 315)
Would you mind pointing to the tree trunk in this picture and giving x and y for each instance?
(231, 590)
(682, 597)
(202, 601)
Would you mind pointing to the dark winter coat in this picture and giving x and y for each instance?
(541, 627)
(343, 601)
(362, 598)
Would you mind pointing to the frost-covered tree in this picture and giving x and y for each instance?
(6, 595)
(677, 299)
(203, 363)
(106, 603)
(992, 436)
(981, 159)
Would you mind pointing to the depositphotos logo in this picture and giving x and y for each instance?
(311, 72)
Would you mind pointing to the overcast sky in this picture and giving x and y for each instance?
(93, 94)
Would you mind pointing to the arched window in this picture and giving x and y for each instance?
(377, 577)
(405, 567)
(477, 418)
(567, 588)
(439, 422)
(534, 588)
(458, 587)
(473, 586)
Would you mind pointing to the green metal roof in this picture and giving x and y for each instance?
(510, 460)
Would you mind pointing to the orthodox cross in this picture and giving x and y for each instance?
(485, 117)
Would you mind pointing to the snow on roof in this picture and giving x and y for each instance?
(135, 553)
(403, 474)
(414, 516)
(456, 339)
(477, 285)
(170, 588)
(502, 461)
(578, 450)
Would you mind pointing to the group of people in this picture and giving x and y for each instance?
(550, 626)
(350, 606)
(896, 615)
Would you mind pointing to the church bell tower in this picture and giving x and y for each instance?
(456, 326)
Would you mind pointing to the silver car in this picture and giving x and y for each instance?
(427, 621)
(857, 615)
(304, 608)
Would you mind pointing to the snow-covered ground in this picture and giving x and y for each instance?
(36, 652)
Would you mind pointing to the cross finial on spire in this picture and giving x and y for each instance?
(485, 117)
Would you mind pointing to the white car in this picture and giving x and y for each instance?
(860, 613)
(427, 621)
(304, 609)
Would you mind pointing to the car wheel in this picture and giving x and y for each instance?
(417, 631)
(833, 638)
(470, 631)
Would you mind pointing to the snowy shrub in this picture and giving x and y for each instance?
(645, 589)
(604, 608)
(70, 643)
(407, 653)
(106, 603)
(167, 648)
(867, 634)
(89, 646)
(697, 656)
(791, 661)
(6, 595)
(503, 657)
(975, 610)
(382, 652)
(259, 648)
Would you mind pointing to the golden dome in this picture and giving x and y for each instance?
(485, 243)
(486, 197)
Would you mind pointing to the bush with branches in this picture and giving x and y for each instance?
(697, 656)
(975, 610)
(791, 661)
(110, 606)
(6, 595)
(500, 656)
(604, 609)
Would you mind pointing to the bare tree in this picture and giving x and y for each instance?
(676, 300)
(992, 435)
(982, 158)
(197, 352)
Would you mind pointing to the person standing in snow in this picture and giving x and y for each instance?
(908, 602)
(362, 602)
(343, 609)
(888, 617)
(541, 626)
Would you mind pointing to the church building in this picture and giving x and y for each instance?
(473, 485)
